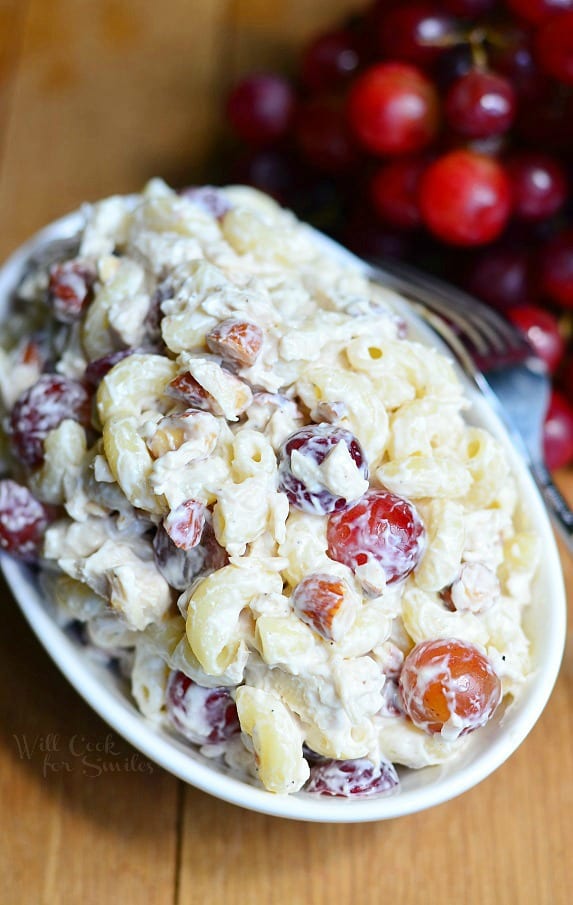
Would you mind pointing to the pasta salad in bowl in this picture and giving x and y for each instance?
(258, 517)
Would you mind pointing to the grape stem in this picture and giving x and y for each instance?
(476, 40)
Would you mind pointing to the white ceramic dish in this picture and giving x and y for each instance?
(421, 789)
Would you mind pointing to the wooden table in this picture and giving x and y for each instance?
(96, 96)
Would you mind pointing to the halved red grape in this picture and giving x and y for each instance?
(202, 715)
(185, 524)
(465, 198)
(358, 778)
(391, 699)
(382, 527)
(70, 288)
(393, 109)
(260, 108)
(97, 369)
(554, 47)
(41, 408)
(542, 330)
(314, 443)
(448, 683)
(414, 32)
(23, 521)
(558, 432)
(330, 60)
(179, 566)
(556, 265)
(480, 104)
(395, 190)
(209, 198)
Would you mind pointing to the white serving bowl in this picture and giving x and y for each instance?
(486, 750)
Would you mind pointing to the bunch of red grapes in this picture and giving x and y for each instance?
(440, 132)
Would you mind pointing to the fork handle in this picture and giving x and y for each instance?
(557, 505)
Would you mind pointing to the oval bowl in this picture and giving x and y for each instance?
(108, 694)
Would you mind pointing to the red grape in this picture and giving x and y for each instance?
(322, 136)
(330, 60)
(352, 778)
(447, 681)
(554, 47)
(535, 11)
(208, 198)
(70, 288)
(414, 32)
(99, 367)
(23, 521)
(395, 189)
(364, 234)
(500, 276)
(185, 524)
(382, 527)
(558, 432)
(393, 109)
(538, 186)
(497, 172)
(391, 700)
(556, 266)
(513, 58)
(260, 108)
(542, 330)
(465, 198)
(40, 409)
(480, 104)
(453, 63)
(566, 377)
(546, 120)
(268, 169)
(202, 715)
(178, 566)
(314, 443)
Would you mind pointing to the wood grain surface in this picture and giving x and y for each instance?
(96, 96)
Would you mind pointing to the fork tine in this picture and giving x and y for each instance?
(490, 339)
(501, 328)
(456, 319)
(417, 292)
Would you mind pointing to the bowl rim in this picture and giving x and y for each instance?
(149, 738)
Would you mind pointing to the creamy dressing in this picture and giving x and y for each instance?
(190, 418)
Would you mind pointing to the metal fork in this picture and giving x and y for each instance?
(498, 359)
